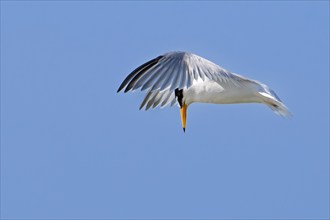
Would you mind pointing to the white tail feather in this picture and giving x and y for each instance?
(273, 102)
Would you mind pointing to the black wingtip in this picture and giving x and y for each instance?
(184, 130)
(121, 87)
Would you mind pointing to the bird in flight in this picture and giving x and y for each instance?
(184, 78)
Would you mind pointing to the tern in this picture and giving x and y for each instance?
(184, 78)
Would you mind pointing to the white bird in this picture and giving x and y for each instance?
(185, 78)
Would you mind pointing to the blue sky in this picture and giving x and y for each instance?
(71, 147)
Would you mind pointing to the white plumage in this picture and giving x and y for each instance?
(185, 78)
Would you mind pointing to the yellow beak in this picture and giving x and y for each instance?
(183, 113)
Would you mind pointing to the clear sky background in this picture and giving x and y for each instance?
(71, 147)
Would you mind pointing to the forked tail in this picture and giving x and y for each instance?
(270, 98)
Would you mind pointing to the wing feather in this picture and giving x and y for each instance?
(158, 99)
(166, 80)
(146, 99)
(173, 74)
(154, 77)
(139, 83)
(138, 71)
(152, 99)
(167, 98)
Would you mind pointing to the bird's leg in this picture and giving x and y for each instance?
(183, 107)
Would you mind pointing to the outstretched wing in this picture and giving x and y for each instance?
(174, 70)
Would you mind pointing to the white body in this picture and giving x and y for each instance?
(208, 91)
